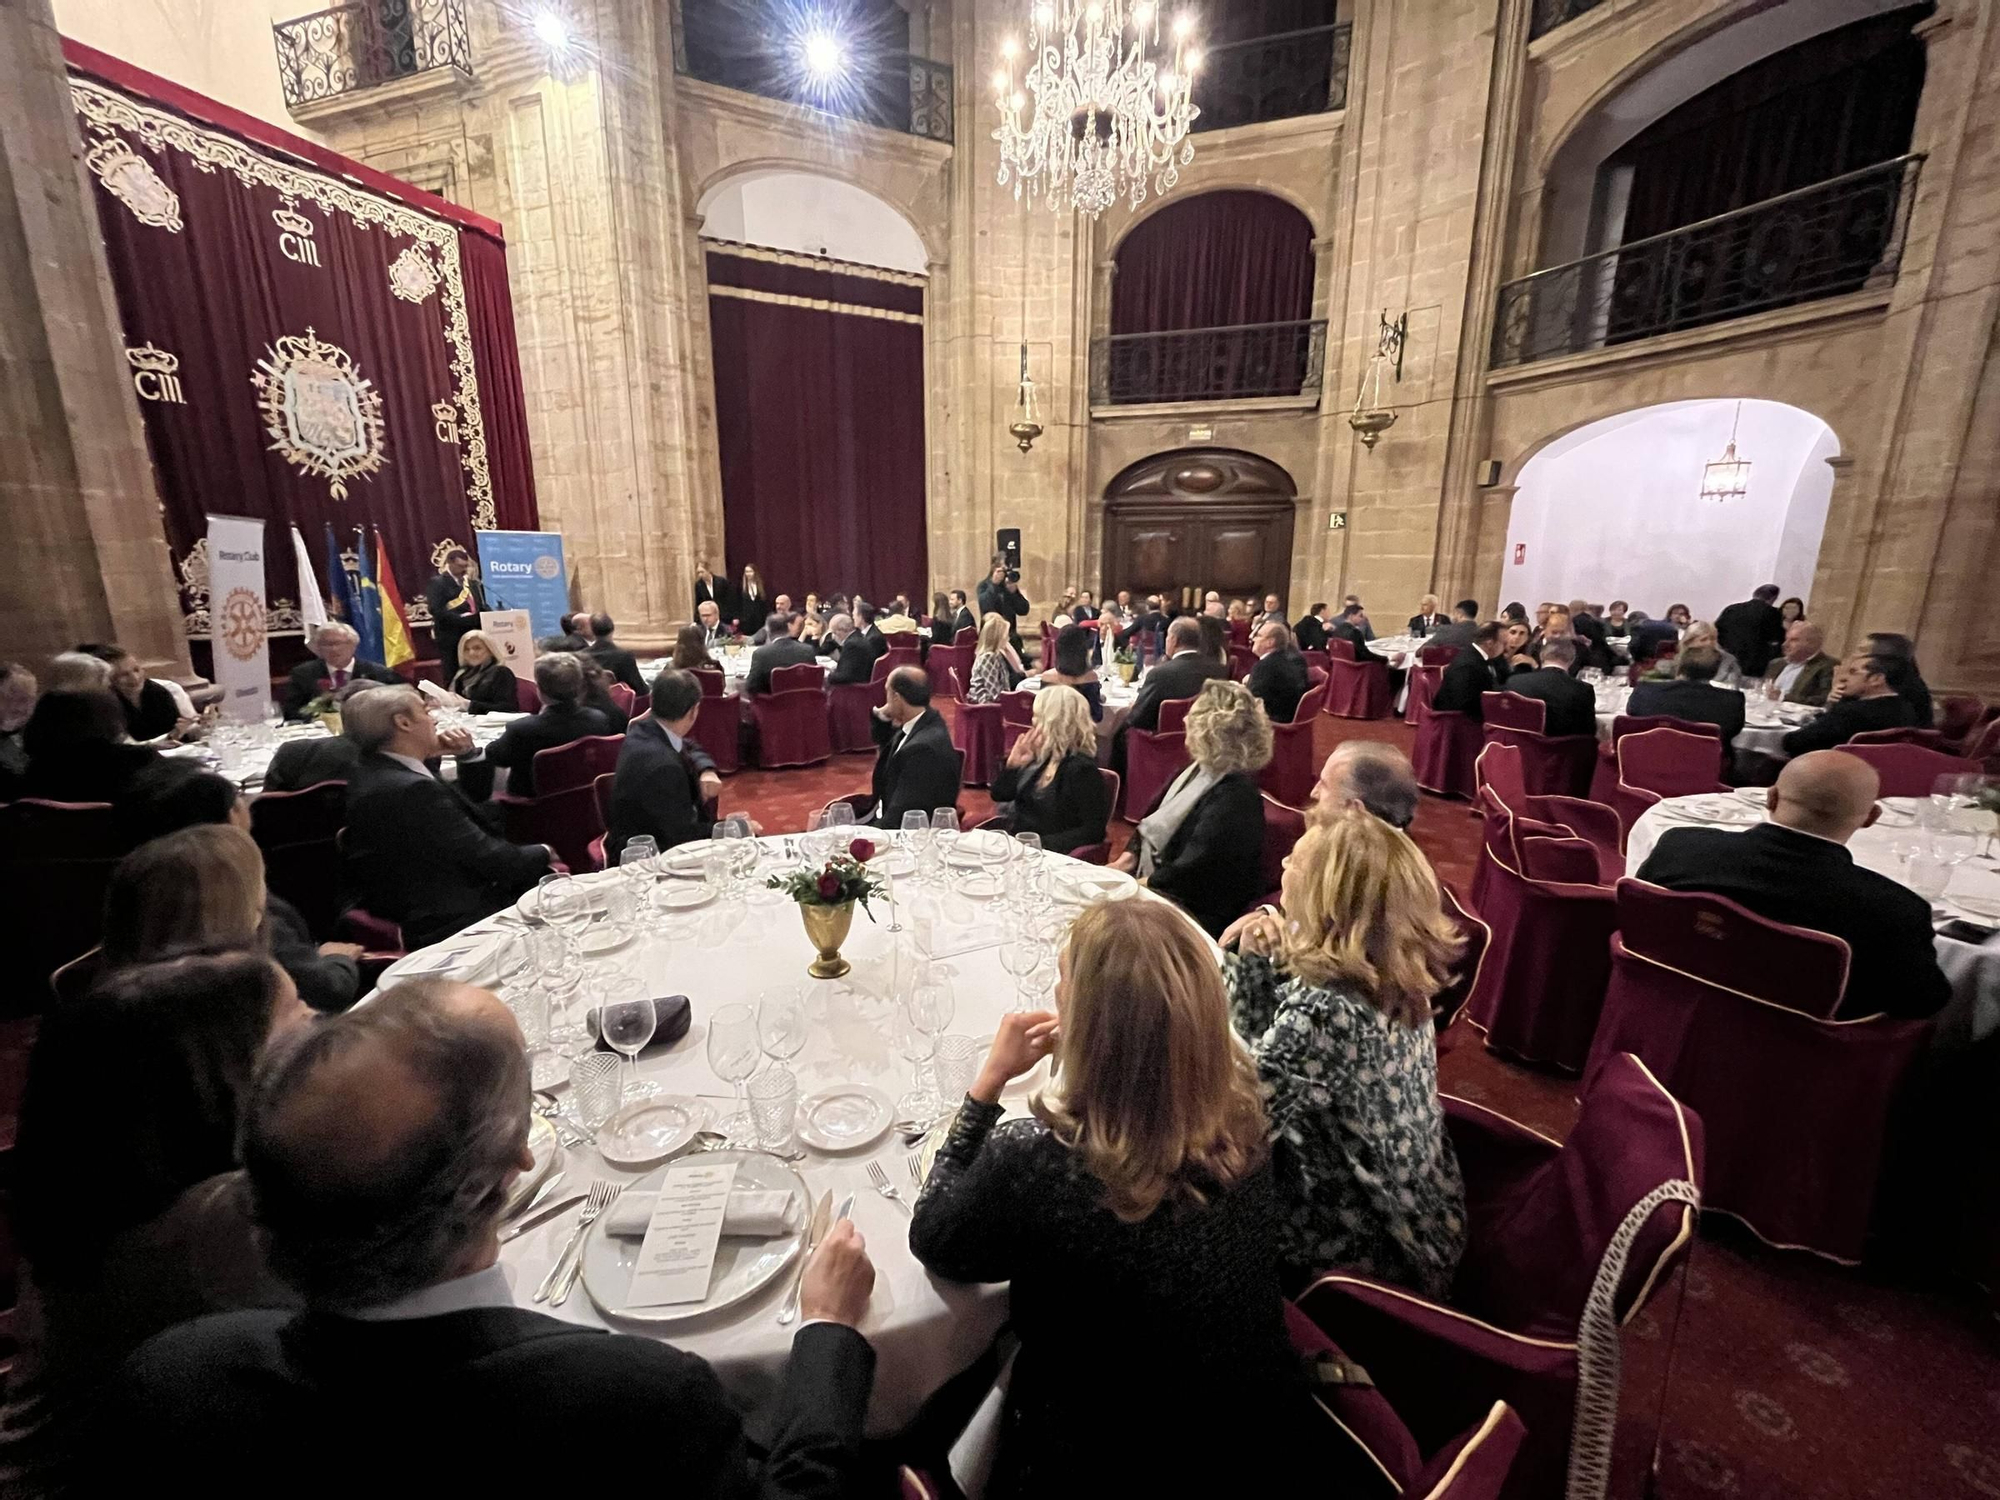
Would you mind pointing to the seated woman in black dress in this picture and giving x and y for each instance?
(486, 683)
(1133, 1215)
(1051, 778)
(1072, 668)
(78, 750)
(151, 711)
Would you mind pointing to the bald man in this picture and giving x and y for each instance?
(1796, 869)
(1370, 774)
(381, 1146)
(916, 765)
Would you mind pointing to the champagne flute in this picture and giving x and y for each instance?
(626, 1020)
(944, 834)
(733, 1050)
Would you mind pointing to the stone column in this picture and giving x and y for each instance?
(87, 559)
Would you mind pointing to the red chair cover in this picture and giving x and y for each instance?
(1437, 656)
(1475, 1465)
(979, 730)
(55, 861)
(1908, 770)
(623, 697)
(1447, 1002)
(299, 834)
(718, 728)
(849, 707)
(1017, 717)
(1551, 765)
(1930, 739)
(1355, 689)
(1317, 661)
(563, 812)
(1447, 746)
(792, 728)
(1153, 760)
(527, 697)
(949, 669)
(1604, 778)
(1100, 854)
(966, 637)
(1986, 746)
(1242, 660)
(1239, 632)
(1294, 765)
(1958, 716)
(1499, 771)
(1658, 763)
(1423, 685)
(1729, 1011)
(1283, 827)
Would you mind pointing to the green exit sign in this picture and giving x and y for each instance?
(1337, 521)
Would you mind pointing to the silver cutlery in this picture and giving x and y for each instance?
(536, 1220)
(917, 1169)
(822, 1219)
(846, 1209)
(601, 1195)
(887, 1188)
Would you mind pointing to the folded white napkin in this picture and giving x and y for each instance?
(753, 1214)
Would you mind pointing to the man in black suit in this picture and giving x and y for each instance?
(1001, 594)
(330, 668)
(1180, 675)
(1085, 610)
(1568, 706)
(855, 655)
(961, 618)
(1590, 630)
(1460, 629)
(781, 610)
(1471, 673)
(916, 765)
(664, 780)
(1796, 869)
(614, 658)
(1352, 627)
(783, 649)
(1648, 636)
(1151, 623)
(379, 1149)
(563, 720)
(1279, 680)
(415, 853)
(1691, 695)
(1868, 700)
(714, 629)
(455, 597)
(869, 631)
(1752, 631)
(1310, 632)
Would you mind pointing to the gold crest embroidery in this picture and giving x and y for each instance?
(321, 414)
(412, 276)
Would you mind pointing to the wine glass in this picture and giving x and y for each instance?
(733, 1050)
(781, 1022)
(626, 1019)
(944, 834)
(640, 854)
(1023, 873)
(916, 833)
(1020, 956)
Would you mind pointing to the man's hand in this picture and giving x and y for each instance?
(456, 742)
(341, 950)
(711, 784)
(839, 1278)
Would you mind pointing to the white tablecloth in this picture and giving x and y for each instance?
(246, 764)
(1118, 695)
(1764, 728)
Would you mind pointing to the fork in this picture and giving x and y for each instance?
(555, 1287)
(917, 1170)
(886, 1188)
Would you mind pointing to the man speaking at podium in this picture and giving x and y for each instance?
(456, 598)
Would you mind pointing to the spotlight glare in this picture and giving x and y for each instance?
(1194, 59)
(550, 30)
(1009, 48)
(1183, 25)
(825, 57)
(1045, 16)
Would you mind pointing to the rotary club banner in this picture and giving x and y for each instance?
(236, 606)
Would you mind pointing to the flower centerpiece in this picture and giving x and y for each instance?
(826, 897)
(1126, 663)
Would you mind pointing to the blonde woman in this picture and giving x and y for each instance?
(198, 890)
(1051, 779)
(483, 680)
(1701, 633)
(1202, 842)
(1334, 998)
(996, 667)
(1133, 1217)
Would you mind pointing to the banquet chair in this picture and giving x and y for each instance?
(563, 812)
(1242, 661)
(297, 832)
(1735, 1014)
(966, 637)
(1283, 828)
(1100, 854)
(1655, 764)
(849, 707)
(862, 800)
(978, 730)
(1478, 938)
(1437, 656)
(1017, 717)
(1423, 686)
(642, 703)
(1317, 661)
(718, 728)
(1565, 1242)
(791, 719)
(527, 697)
(1153, 758)
(949, 669)
(623, 696)
(1551, 764)
(1929, 739)
(1909, 770)
(1355, 689)
(380, 938)
(55, 862)
(1447, 747)
(1985, 747)
(1294, 767)
(1604, 776)
(1239, 632)
(1958, 716)
(1499, 769)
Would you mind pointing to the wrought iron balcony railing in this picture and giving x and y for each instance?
(1208, 364)
(1838, 236)
(368, 42)
(895, 90)
(1549, 14)
(1277, 77)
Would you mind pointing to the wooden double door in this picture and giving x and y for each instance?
(1182, 524)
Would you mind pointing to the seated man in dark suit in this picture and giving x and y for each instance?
(869, 631)
(1796, 869)
(1180, 675)
(1691, 695)
(1459, 630)
(960, 620)
(379, 1148)
(714, 629)
(614, 658)
(855, 655)
(307, 762)
(1867, 701)
(916, 765)
(1470, 674)
(415, 853)
(1310, 632)
(783, 648)
(1587, 628)
(1150, 624)
(1568, 706)
(563, 720)
(1279, 680)
(1648, 636)
(665, 780)
(1352, 627)
(331, 667)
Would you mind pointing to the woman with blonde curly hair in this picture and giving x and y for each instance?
(1051, 782)
(1334, 998)
(1133, 1216)
(1202, 842)
(996, 668)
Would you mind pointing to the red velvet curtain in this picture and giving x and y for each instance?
(820, 415)
(489, 309)
(1216, 260)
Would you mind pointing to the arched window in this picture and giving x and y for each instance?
(1215, 260)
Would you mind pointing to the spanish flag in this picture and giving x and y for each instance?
(396, 647)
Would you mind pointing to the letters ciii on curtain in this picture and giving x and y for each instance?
(310, 343)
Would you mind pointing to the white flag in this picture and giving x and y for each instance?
(312, 603)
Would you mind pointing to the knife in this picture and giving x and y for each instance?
(846, 1209)
(822, 1220)
(542, 1216)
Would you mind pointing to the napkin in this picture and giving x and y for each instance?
(753, 1214)
(671, 1019)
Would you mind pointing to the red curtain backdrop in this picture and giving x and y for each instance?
(821, 420)
(489, 307)
(1216, 260)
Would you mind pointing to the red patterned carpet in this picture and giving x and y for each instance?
(1789, 1377)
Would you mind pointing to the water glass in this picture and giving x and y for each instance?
(621, 906)
(916, 1045)
(944, 833)
(529, 1003)
(715, 867)
(917, 838)
(733, 1050)
(1927, 874)
(774, 1107)
(781, 1023)
(593, 1088)
(956, 1065)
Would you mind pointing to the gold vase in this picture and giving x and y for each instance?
(1126, 670)
(826, 930)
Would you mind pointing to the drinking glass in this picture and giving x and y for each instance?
(1023, 874)
(944, 833)
(640, 855)
(627, 1020)
(956, 1064)
(917, 838)
(742, 848)
(840, 815)
(774, 1107)
(593, 1088)
(781, 1022)
(715, 867)
(1927, 874)
(733, 1050)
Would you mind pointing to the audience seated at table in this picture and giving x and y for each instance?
(562, 720)
(1051, 784)
(1595, 647)
(78, 751)
(415, 854)
(1691, 695)
(783, 648)
(1072, 669)
(1865, 700)
(1796, 869)
(1353, 611)
(866, 626)
(1201, 844)
(153, 708)
(916, 766)
(621, 664)
(1334, 999)
(1352, 627)
(1899, 657)
(1370, 774)
(1805, 672)
(774, 624)
(1429, 616)
(484, 682)
(996, 666)
(1753, 630)
(1728, 672)
(1181, 674)
(1475, 670)
(714, 628)
(380, 1148)
(960, 618)
(1648, 636)
(125, 1199)
(1460, 628)
(691, 650)
(663, 777)
(332, 666)
(1138, 1240)
(853, 652)
(311, 759)
(1514, 655)
(1569, 706)
(1280, 679)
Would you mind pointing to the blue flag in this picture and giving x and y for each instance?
(367, 617)
(340, 583)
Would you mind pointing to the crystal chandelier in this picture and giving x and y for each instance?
(1728, 478)
(1099, 111)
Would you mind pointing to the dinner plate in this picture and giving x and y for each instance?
(650, 1130)
(547, 1151)
(685, 863)
(1979, 906)
(1715, 807)
(528, 908)
(1087, 885)
(980, 887)
(982, 846)
(683, 897)
(895, 863)
(742, 1268)
(845, 1117)
(602, 937)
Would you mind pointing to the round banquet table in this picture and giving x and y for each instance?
(924, 1330)
(1764, 725)
(245, 763)
(1118, 695)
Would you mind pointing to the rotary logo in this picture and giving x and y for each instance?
(321, 414)
(547, 567)
(241, 626)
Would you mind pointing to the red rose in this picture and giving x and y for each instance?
(325, 684)
(829, 886)
(862, 850)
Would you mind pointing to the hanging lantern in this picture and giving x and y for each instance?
(1728, 477)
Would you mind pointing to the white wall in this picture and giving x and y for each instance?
(1613, 510)
(812, 215)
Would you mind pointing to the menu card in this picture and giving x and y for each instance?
(679, 1249)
